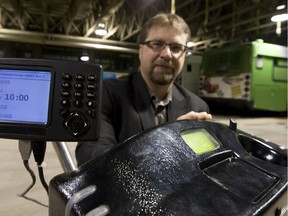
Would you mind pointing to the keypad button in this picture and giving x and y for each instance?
(78, 94)
(64, 112)
(65, 93)
(91, 77)
(79, 86)
(91, 86)
(90, 104)
(79, 77)
(91, 113)
(66, 76)
(78, 103)
(65, 102)
(66, 85)
(90, 95)
(76, 124)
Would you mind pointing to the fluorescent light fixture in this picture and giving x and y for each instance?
(279, 18)
(84, 58)
(190, 44)
(101, 29)
(101, 32)
(280, 7)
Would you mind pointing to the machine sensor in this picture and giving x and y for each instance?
(199, 140)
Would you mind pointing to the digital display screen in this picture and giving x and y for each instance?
(199, 140)
(24, 96)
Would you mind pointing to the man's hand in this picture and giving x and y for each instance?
(196, 115)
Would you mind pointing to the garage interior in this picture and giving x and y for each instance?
(73, 22)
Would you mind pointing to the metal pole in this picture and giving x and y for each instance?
(64, 156)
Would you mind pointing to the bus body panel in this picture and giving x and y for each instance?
(252, 74)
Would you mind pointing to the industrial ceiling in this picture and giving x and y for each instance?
(73, 22)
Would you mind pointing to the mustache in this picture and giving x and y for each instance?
(163, 64)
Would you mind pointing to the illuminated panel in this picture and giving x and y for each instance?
(199, 140)
(24, 96)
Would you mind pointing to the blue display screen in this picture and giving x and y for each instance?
(24, 96)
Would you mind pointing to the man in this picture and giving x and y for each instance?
(149, 97)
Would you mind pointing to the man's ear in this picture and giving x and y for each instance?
(140, 50)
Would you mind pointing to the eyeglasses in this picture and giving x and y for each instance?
(176, 49)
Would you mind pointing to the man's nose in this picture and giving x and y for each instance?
(166, 52)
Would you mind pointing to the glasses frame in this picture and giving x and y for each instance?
(159, 49)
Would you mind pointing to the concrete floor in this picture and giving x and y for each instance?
(14, 179)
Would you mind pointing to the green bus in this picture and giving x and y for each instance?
(249, 75)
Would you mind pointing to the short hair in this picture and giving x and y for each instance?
(163, 19)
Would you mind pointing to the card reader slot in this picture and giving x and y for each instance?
(239, 177)
(216, 158)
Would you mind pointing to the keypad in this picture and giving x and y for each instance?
(78, 102)
(76, 123)
(79, 92)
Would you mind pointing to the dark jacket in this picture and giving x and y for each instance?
(127, 110)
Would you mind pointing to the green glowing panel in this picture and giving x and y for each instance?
(199, 140)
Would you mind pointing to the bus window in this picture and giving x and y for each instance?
(280, 69)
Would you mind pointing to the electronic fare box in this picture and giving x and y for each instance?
(184, 168)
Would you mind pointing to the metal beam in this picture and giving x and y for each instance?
(67, 41)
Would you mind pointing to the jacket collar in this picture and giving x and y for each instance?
(179, 105)
(144, 107)
(142, 101)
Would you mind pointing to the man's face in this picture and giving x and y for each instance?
(162, 67)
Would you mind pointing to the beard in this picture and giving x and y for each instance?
(162, 77)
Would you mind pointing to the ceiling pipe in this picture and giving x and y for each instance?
(67, 41)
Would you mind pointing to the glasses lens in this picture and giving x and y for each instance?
(176, 48)
(157, 45)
